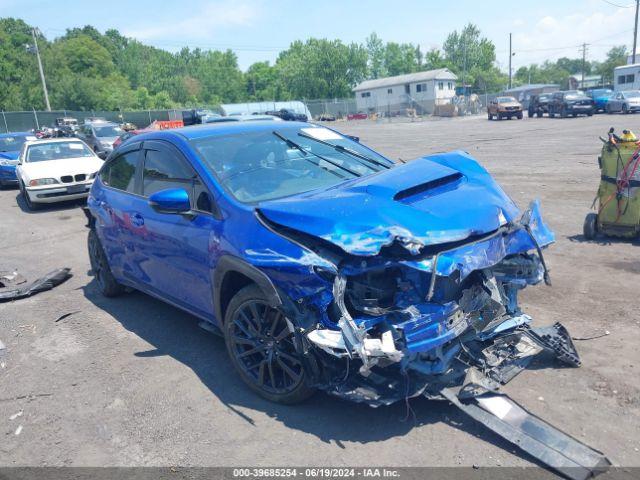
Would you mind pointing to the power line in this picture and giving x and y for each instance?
(616, 5)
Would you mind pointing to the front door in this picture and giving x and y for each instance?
(175, 255)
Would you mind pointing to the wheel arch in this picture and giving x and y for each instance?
(232, 274)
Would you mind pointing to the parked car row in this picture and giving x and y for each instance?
(576, 102)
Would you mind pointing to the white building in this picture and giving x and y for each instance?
(420, 90)
(626, 77)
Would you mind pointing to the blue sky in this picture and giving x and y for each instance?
(258, 29)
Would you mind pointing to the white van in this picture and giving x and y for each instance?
(626, 77)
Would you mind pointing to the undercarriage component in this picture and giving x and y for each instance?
(556, 339)
(50, 280)
(563, 453)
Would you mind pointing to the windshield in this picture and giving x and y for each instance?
(506, 99)
(108, 131)
(632, 94)
(43, 152)
(276, 163)
(601, 92)
(574, 95)
(11, 144)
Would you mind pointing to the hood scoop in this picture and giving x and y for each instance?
(434, 200)
(428, 188)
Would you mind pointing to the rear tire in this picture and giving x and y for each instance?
(109, 287)
(489, 116)
(519, 116)
(625, 109)
(261, 348)
(590, 227)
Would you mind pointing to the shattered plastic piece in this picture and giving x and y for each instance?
(563, 453)
(557, 339)
(10, 279)
(16, 415)
(49, 281)
(18, 430)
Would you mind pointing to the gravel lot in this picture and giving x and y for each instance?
(133, 381)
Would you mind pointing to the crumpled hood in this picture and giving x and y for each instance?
(436, 199)
(9, 155)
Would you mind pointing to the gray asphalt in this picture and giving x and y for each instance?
(133, 381)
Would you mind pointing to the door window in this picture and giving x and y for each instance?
(164, 169)
(120, 173)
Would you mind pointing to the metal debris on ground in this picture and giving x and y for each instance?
(9, 290)
(66, 315)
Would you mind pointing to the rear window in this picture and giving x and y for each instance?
(120, 173)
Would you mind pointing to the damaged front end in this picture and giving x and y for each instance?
(401, 327)
(416, 294)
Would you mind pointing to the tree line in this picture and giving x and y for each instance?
(89, 70)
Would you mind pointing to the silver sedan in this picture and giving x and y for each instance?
(625, 102)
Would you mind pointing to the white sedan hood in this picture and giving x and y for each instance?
(58, 168)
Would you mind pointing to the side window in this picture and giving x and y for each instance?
(163, 169)
(120, 173)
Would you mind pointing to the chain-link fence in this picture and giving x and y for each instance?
(339, 107)
(25, 121)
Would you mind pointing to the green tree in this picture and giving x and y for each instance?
(616, 57)
(321, 68)
(402, 58)
(376, 56)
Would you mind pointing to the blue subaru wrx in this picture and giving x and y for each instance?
(10, 146)
(324, 264)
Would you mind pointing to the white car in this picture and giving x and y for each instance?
(56, 170)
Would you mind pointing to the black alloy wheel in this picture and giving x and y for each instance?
(262, 350)
(108, 285)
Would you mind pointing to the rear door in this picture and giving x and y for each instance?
(119, 179)
(177, 249)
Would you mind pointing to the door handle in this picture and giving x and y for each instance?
(137, 220)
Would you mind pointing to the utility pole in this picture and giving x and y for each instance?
(584, 57)
(635, 33)
(510, 55)
(44, 83)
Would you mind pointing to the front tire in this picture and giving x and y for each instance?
(262, 350)
(625, 109)
(590, 227)
(109, 287)
(32, 206)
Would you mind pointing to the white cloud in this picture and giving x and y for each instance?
(202, 22)
(553, 37)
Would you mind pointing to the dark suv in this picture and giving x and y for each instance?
(539, 104)
(570, 102)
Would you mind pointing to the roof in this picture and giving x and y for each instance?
(195, 132)
(532, 86)
(38, 141)
(438, 74)
(630, 65)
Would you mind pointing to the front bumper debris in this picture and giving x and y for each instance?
(442, 322)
